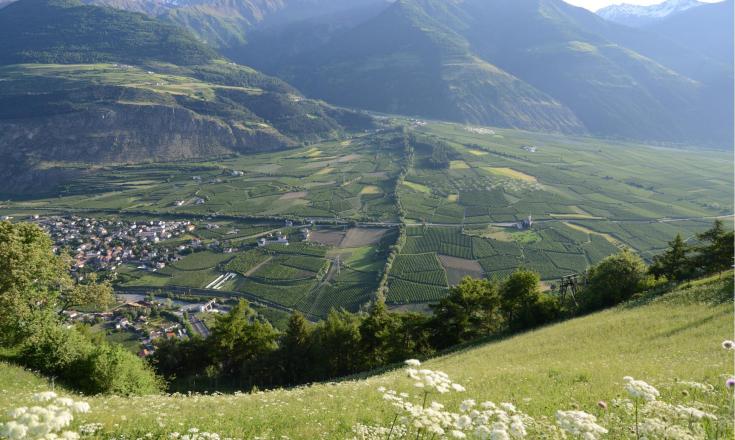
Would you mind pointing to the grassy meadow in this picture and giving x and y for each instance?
(665, 341)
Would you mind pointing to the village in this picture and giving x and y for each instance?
(99, 244)
(141, 322)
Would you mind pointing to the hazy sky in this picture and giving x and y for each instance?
(597, 4)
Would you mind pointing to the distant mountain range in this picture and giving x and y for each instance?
(644, 15)
(530, 64)
(707, 29)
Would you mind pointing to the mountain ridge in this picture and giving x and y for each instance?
(111, 91)
(467, 61)
(643, 15)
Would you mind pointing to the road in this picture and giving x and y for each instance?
(340, 221)
(205, 293)
(199, 326)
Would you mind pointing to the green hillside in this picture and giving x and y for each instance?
(668, 341)
(407, 60)
(66, 31)
(100, 85)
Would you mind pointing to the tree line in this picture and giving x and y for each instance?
(244, 351)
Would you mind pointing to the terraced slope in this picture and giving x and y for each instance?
(98, 85)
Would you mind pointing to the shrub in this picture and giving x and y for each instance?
(114, 370)
(56, 351)
(614, 280)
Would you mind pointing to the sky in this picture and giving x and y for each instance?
(594, 5)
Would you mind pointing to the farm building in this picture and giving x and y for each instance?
(279, 239)
(525, 223)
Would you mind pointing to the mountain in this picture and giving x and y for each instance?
(277, 42)
(643, 15)
(707, 29)
(533, 64)
(65, 32)
(406, 61)
(91, 84)
(227, 23)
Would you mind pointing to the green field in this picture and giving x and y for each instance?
(574, 364)
(588, 199)
(285, 184)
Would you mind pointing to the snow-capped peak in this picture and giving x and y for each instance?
(639, 15)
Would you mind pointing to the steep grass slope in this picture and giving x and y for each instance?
(578, 362)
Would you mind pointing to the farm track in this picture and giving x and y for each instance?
(258, 266)
(328, 276)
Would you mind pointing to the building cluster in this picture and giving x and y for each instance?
(136, 317)
(106, 244)
(525, 223)
(269, 239)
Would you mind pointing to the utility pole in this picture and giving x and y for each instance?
(569, 283)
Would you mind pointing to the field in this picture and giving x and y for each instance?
(623, 190)
(458, 268)
(291, 183)
(296, 276)
(588, 198)
(574, 364)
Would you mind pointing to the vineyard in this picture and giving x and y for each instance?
(556, 250)
(278, 273)
(287, 295)
(308, 249)
(201, 260)
(310, 264)
(406, 292)
(341, 295)
(588, 199)
(422, 268)
(246, 261)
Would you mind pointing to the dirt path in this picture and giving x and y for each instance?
(257, 266)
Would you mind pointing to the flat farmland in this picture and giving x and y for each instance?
(324, 181)
(458, 268)
(588, 198)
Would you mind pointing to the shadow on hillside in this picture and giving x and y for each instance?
(683, 328)
(713, 291)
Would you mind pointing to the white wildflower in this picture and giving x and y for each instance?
(13, 430)
(45, 396)
(467, 405)
(80, 407)
(639, 389)
(579, 423)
